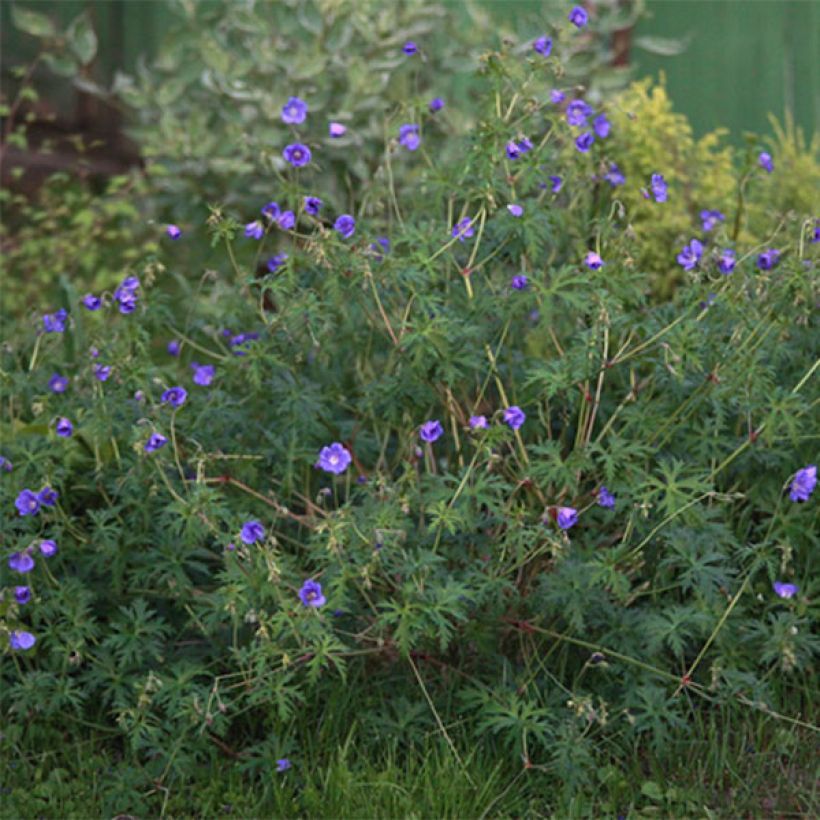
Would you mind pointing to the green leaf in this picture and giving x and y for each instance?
(61, 64)
(32, 22)
(652, 790)
(82, 39)
(664, 46)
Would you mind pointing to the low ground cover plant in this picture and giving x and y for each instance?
(434, 460)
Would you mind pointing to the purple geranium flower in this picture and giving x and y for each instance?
(312, 205)
(64, 427)
(584, 142)
(48, 497)
(436, 104)
(710, 219)
(155, 442)
(726, 261)
(577, 112)
(22, 595)
(91, 302)
(519, 282)
(254, 230)
(578, 17)
(283, 764)
(5, 465)
(19, 639)
(203, 373)
(336, 130)
(514, 416)
(659, 188)
(173, 347)
(463, 229)
(21, 562)
(557, 96)
(126, 294)
(566, 517)
(175, 396)
(543, 45)
(58, 383)
(557, 184)
(271, 210)
(690, 256)
(251, 532)
(48, 548)
(593, 261)
(286, 220)
(512, 150)
(431, 430)
(783, 590)
(605, 498)
(297, 154)
(601, 126)
(345, 225)
(294, 111)
(173, 231)
(410, 48)
(55, 322)
(768, 259)
(334, 459)
(27, 503)
(380, 247)
(409, 136)
(311, 594)
(765, 161)
(515, 210)
(102, 372)
(478, 423)
(614, 176)
(276, 261)
(804, 483)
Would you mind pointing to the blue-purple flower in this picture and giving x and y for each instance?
(478, 423)
(286, 220)
(345, 226)
(22, 595)
(283, 764)
(312, 205)
(251, 532)
(765, 161)
(690, 255)
(593, 261)
(48, 496)
(48, 547)
(64, 427)
(519, 282)
(21, 562)
(783, 590)
(727, 259)
(334, 458)
(203, 373)
(659, 188)
(431, 430)
(605, 498)
(512, 150)
(543, 45)
(768, 259)
(409, 136)
(5, 465)
(19, 639)
(311, 594)
(175, 396)
(614, 176)
(91, 302)
(515, 416)
(436, 104)
(254, 230)
(557, 184)
(601, 126)
(410, 48)
(155, 442)
(578, 17)
(515, 210)
(27, 503)
(297, 154)
(380, 247)
(578, 112)
(276, 261)
(463, 229)
(557, 96)
(336, 130)
(173, 347)
(126, 294)
(566, 517)
(584, 142)
(173, 231)
(58, 383)
(55, 322)
(294, 111)
(102, 372)
(804, 483)
(710, 220)
(271, 211)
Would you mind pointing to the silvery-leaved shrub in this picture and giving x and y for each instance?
(435, 440)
